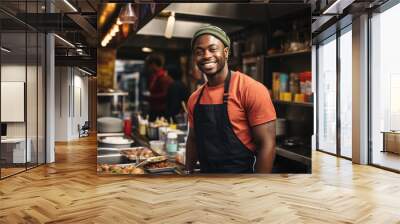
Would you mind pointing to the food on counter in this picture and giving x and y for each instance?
(116, 140)
(119, 169)
(139, 152)
(164, 164)
(157, 159)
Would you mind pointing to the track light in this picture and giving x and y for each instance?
(65, 41)
(5, 50)
(84, 71)
(169, 29)
(70, 5)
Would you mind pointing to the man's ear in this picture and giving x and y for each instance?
(226, 52)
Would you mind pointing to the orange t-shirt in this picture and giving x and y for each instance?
(249, 105)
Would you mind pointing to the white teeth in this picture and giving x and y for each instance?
(209, 65)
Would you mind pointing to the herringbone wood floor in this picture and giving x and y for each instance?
(69, 191)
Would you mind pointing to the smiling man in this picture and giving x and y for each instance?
(231, 117)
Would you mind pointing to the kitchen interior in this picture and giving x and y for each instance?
(270, 42)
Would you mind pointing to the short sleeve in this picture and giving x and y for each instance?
(258, 104)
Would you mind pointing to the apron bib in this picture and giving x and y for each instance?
(219, 149)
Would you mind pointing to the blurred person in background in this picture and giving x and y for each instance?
(177, 94)
(158, 84)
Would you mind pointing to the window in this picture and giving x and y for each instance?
(327, 95)
(346, 72)
(385, 86)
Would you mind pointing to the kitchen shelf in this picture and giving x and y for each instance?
(305, 104)
(288, 54)
(113, 94)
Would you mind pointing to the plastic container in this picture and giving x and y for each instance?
(158, 147)
(162, 133)
(181, 154)
(142, 127)
(128, 126)
(172, 145)
(275, 85)
(283, 81)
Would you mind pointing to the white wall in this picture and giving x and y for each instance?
(71, 94)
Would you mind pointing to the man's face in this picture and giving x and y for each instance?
(210, 54)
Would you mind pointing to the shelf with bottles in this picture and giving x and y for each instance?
(286, 54)
(292, 89)
(291, 103)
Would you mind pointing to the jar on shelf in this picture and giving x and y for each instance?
(172, 145)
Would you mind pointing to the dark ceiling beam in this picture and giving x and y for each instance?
(157, 42)
(224, 12)
(219, 21)
(49, 22)
(83, 61)
(84, 24)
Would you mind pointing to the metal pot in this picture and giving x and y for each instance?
(152, 133)
(117, 142)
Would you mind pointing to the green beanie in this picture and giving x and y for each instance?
(212, 30)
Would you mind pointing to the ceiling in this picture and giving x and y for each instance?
(231, 17)
(75, 22)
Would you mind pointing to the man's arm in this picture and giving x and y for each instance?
(191, 152)
(264, 136)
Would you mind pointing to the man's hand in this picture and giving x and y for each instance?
(264, 136)
(191, 152)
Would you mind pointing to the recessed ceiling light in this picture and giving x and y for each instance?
(147, 49)
(169, 29)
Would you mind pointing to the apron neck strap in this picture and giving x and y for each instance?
(226, 89)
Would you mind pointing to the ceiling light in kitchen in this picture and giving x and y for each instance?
(127, 14)
(169, 29)
(147, 49)
(118, 21)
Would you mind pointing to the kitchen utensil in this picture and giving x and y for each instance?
(115, 142)
(184, 106)
(152, 132)
(155, 159)
(110, 125)
(158, 147)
